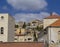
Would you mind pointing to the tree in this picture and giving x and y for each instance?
(35, 38)
(16, 26)
(39, 28)
(24, 25)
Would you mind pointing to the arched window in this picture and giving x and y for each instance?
(2, 30)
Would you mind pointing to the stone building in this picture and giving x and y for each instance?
(6, 27)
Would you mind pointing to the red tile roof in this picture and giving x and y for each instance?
(22, 44)
(57, 23)
(52, 17)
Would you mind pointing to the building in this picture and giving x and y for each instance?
(36, 23)
(22, 35)
(6, 27)
(20, 31)
(24, 38)
(52, 27)
(49, 20)
(21, 24)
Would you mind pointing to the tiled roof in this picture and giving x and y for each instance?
(52, 17)
(57, 23)
(22, 44)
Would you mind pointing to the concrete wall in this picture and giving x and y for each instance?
(4, 23)
(43, 38)
(24, 38)
(11, 28)
(23, 31)
(53, 34)
(8, 23)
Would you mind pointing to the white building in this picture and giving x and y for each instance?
(6, 27)
(24, 38)
(52, 27)
(21, 35)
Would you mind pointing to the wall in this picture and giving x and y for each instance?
(43, 38)
(11, 29)
(47, 22)
(23, 31)
(4, 23)
(24, 38)
(53, 34)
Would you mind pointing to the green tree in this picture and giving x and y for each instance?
(39, 28)
(35, 38)
(16, 26)
(24, 25)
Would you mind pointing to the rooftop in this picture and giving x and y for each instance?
(57, 23)
(53, 17)
(22, 44)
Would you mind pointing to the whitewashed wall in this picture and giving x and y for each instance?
(53, 34)
(47, 22)
(8, 23)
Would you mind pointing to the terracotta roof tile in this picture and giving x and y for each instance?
(57, 23)
(22, 44)
(52, 16)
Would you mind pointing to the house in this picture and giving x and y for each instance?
(36, 23)
(6, 27)
(52, 27)
(24, 38)
(22, 35)
(33, 32)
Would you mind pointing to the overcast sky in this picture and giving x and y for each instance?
(26, 10)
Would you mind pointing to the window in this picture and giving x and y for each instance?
(2, 30)
(58, 32)
(29, 38)
(25, 39)
(59, 41)
(2, 17)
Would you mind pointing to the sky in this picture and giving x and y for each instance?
(26, 10)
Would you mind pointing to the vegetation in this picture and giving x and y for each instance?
(16, 26)
(39, 28)
(24, 25)
(35, 39)
(28, 24)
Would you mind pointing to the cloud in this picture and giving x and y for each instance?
(30, 16)
(30, 5)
